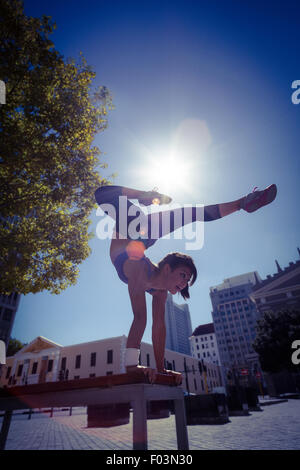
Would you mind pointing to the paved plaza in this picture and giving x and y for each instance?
(277, 427)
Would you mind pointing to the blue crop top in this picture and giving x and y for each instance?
(119, 263)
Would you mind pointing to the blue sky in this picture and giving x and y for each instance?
(211, 80)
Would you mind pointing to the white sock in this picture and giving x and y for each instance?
(131, 357)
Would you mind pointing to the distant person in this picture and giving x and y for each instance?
(176, 272)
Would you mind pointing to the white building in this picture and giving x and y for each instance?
(204, 344)
(45, 361)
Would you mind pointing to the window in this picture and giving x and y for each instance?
(20, 369)
(63, 363)
(110, 356)
(50, 365)
(8, 372)
(34, 368)
(109, 372)
(77, 362)
(93, 359)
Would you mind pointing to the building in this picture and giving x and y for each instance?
(234, 316)
(178, 326)
(46, 361)
(280, 290)
(8, 307)
(204, 344)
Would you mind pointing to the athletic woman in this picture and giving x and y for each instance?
(174, 273)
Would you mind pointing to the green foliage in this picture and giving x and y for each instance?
(49, 168)
(276, 332)
(14, 345)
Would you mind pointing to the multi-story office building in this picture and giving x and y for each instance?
(178, 326)
(43, 360)
(235, 315)
(204, 344)
(8, 308)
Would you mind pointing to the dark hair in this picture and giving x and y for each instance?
(174, 260)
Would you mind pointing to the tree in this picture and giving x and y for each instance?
(276, 332)
(49, 169)
(14, 345)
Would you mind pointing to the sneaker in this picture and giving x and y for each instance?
(153, 197)
(257, 199)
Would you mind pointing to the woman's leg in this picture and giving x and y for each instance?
(165, 222)
(168, 221)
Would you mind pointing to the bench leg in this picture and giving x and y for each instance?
(5, 429)
(181, 428)
(139, 406)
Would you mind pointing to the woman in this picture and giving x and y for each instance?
(174, 273)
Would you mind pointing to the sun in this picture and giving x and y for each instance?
(168, 172)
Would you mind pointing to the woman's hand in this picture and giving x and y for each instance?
(176, 375)
(147, 371)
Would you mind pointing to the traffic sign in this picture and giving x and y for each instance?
(244, 371)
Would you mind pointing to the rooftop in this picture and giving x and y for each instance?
(204, 329)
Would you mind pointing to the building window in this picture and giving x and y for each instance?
(8, 372)
(50, 365)
(109, 372)
(92, 375)
(93, 359)
(78, 362)
(20, 369)
(63, 363)
(76, 377)
(148, 360)
(110, 356)
(34, 368)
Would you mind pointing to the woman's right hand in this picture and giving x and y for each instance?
(176, 375)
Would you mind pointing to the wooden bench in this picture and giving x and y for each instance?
(132, 388)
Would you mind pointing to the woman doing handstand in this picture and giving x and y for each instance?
(174, 273)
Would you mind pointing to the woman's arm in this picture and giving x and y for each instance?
(159, 328)
(139, 309)
(136, 275)
(159, 333)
